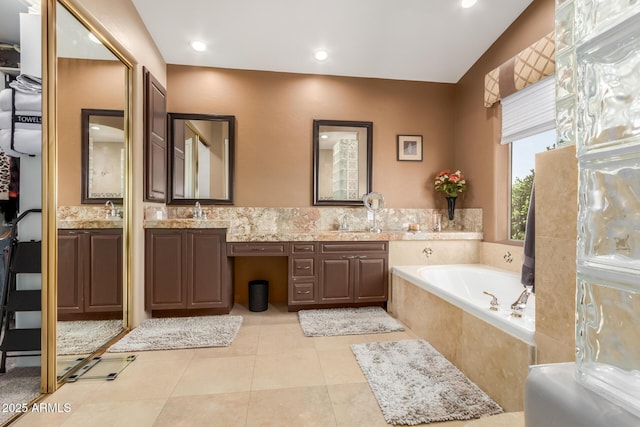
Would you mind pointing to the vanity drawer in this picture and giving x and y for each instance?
(303, 248)
(303, 267)
(258, 249)
(302, 293)
(358, 247)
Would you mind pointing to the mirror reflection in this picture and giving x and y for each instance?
(201, 164)
(342, 161)
(91, 92)
(102, 156)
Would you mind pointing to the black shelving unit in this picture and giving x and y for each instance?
(24, 257)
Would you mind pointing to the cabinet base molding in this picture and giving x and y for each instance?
(106, 315)
(188, 312)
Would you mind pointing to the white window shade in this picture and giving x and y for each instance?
(529, 111)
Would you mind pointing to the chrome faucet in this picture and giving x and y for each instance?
(198, 213)
(494, 305)
(521, 303)
(112, 211)
(344, 223)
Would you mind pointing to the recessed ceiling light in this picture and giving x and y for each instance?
(321, 55)
(324, 136)
(94, 39)
(94, 127)
(198, 46)
(468, 3)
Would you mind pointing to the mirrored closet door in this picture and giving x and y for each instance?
(92, 90)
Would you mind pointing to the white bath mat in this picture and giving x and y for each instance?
(415, 384)
(180, 332)
(347, 321)
(85, 336)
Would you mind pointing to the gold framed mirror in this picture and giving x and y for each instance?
(89, 254)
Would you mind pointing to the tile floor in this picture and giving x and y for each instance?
(272, 375)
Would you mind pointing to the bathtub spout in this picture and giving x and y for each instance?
(521, 303)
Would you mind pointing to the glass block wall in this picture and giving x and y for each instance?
(598, 109)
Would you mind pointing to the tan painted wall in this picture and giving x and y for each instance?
(274, 117)
(478, 152)
(82, 84)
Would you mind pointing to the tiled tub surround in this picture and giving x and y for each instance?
(493, 359)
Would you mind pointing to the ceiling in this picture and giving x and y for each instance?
(422, 40)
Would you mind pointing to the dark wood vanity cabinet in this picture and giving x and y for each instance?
(303, 274)
(89, 270)
(334, 273)
(352, 272)
(186, 269)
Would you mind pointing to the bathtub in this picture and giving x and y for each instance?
(462, 285)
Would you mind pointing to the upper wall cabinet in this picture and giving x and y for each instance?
(201, 159)
(341, 161)
(155, 139)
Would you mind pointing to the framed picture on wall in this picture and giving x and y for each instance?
(410, 148)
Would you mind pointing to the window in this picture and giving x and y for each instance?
(523, 153)
(528, 124)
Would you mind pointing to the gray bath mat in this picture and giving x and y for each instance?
(19, 386)
(415, 384)
(85, 336)
(347, 321)
(180, 332)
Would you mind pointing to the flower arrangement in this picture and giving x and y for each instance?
(450, 183)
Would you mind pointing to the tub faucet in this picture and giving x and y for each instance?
(494, 304)
(521, 303)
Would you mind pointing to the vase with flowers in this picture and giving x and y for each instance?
(451, 184)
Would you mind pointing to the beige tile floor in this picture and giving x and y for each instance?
(272, 375)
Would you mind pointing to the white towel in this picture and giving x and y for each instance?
(26, 120)
(27, 83)
(25, 142)
(24, 101)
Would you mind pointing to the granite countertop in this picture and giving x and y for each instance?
(332, 235)
(248, 235)
(89, 223)
(184, 223)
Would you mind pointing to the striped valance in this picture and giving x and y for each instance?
(529, 66)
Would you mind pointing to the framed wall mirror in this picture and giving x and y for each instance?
(341, 161)
(102, 156)
(201, 159)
